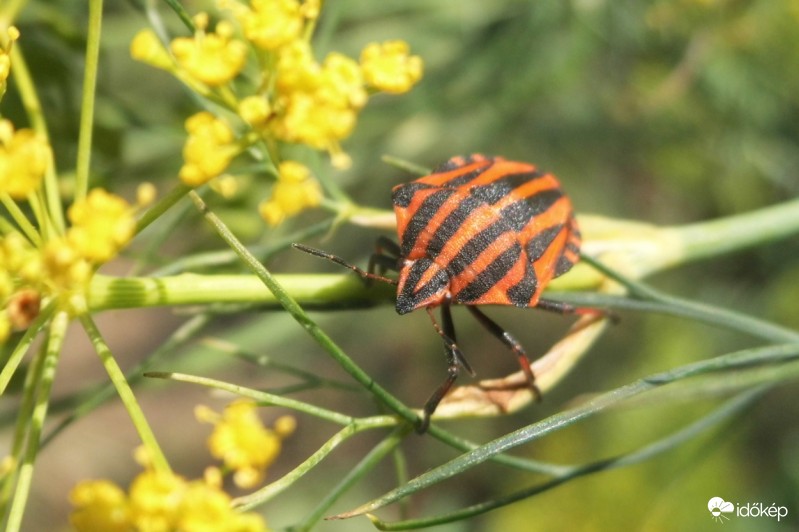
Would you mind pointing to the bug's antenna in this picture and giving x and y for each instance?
(341, 262)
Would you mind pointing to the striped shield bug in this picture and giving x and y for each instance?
(477, 231)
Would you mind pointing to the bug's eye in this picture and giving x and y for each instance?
(423, 283)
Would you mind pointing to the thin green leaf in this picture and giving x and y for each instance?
(732, 233)
(365, 465)
(745, 358)
(256, 395)
(269, 491)
(159, 461)
(86, 130)
(717, 416)
(181, 12)
(710, 314)
(296, 311)
(98, 397)
(404, 164)
(24, 343)
(41, 389)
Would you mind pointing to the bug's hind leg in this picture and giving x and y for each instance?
(512, 344)
(566, 308)
(455, 360)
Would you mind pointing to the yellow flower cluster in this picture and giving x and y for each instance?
(270, 24)
(165, 501)
(295, 190)
(389, 67)
(242, 442)
(20, 274)
(6, 42)
(158, 502)
(24, 158)
(61, 267)
(209, 148)
(293, 98)
(102, 224)
(39, 260)
(211, 58)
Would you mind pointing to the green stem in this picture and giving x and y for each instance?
(732, 233)
(33, 109)
(269, 491)
(296, 311)
(406, 165)
(178, 8)
(159, 461)
(190, 289)
(21, 220)
(641, 248)
(365, 465)
(87, 105)
(163, 205)
(22, 346)
(255, 395)
(24, 414)
(716, 417)
(89, 402)
(58, 328)
(778, 354)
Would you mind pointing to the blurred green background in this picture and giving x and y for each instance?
(668, 112)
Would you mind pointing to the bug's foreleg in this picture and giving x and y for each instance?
(382, 263)
(455, 360)
(386, 246)
(511, 342)
(449, 333)
(386, 256)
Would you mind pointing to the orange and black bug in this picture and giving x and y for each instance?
(477, 231)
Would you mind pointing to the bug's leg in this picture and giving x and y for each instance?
(455, 360)
(559, 306)
(341, 262)
(386, 246)
(449, 333)
(565, 308)
(386, 256)
(382, 263)
(513, 344)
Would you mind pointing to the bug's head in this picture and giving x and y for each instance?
(422, 283)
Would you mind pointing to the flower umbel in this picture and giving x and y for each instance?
(102, 224)
(6, 42)
(208, 150)
(295, 190)
(213, 58)
(157, 501)
(24, 158)
(270, 24)
(389, 67)
(242, 442)
(61, 266)
(288, 96)
(99, 505)
(146, 48)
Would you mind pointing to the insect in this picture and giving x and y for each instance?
(477, 231)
